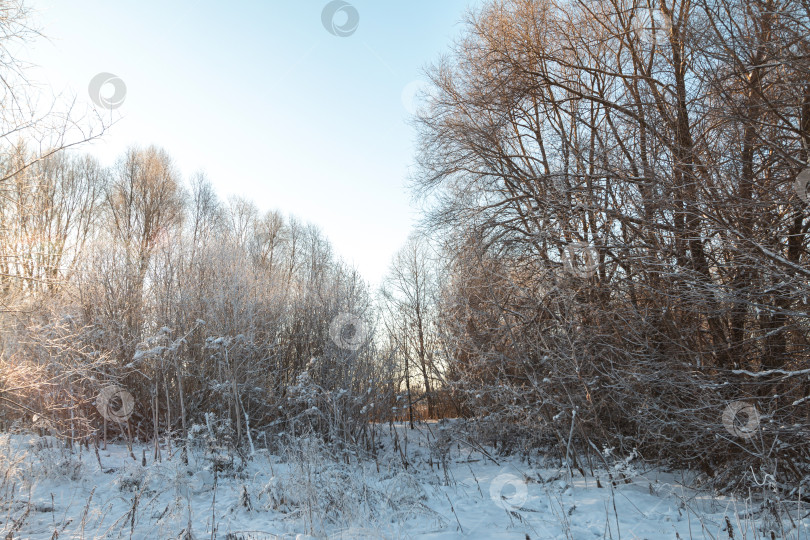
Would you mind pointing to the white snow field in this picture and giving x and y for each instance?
(448, 490)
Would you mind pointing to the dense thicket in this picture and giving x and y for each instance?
(663, 141)
(204, 311)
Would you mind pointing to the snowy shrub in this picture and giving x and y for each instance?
(131, 478)
(318, 404)
(275, 493)
(404, 492)
(54, 460)
(328, 496)
(14, 458)
(214, 444)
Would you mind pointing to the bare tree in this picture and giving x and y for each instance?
(663, 137)
(409, 294)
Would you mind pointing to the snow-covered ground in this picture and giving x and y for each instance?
(447, 490)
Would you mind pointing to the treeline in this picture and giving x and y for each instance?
(203, 310)
(615, 189)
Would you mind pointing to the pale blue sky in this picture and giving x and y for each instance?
(264, 100)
